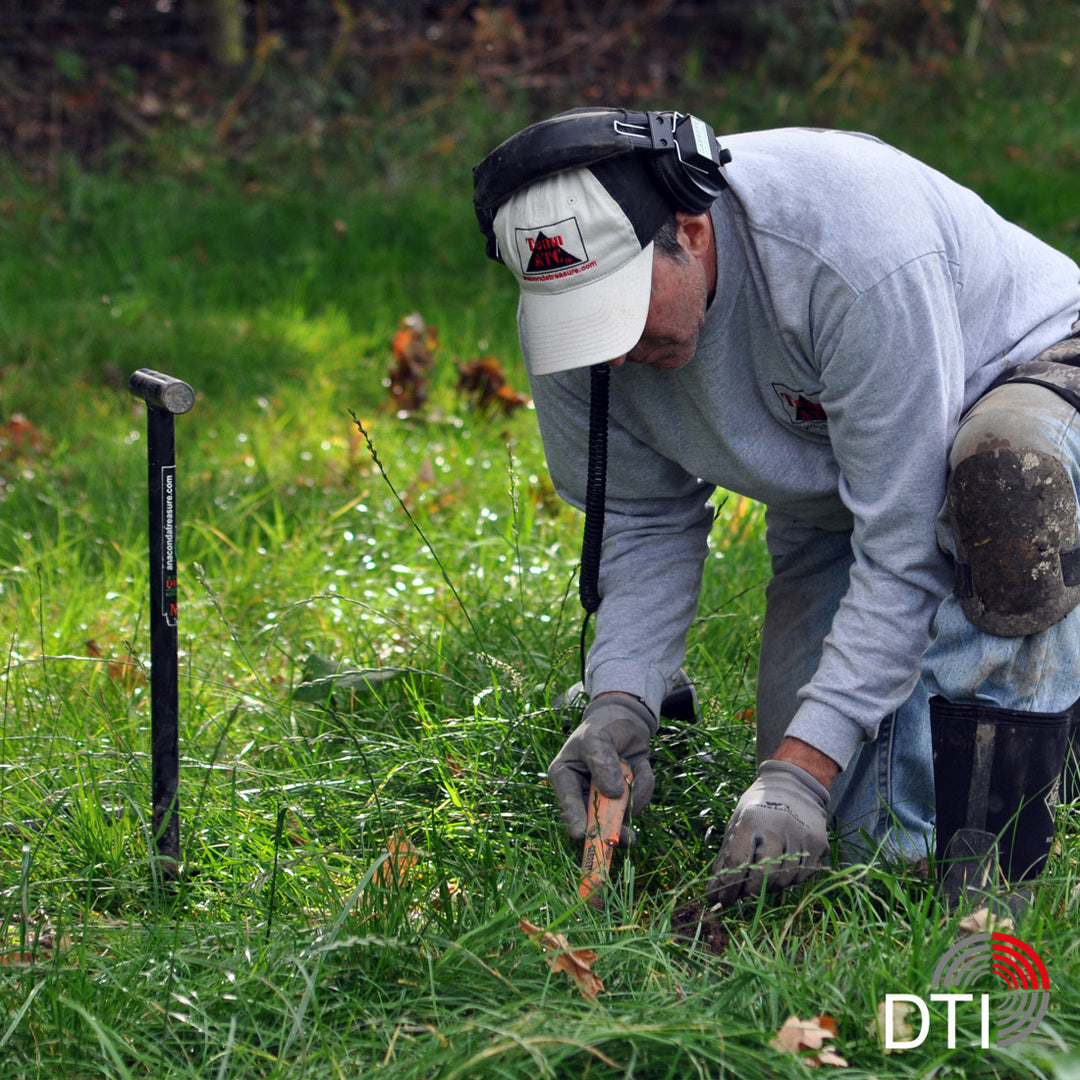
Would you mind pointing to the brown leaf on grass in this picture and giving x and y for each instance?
(19, 438)
(796, 1036)
(828, 1023)
(485, 382)
(901, 1029)
(40, 936)
(125, 673)
(49, 941)
(829, 1056)
(413, 347)
(403, 859)
(984, 921)
(577, 963)
(297, 835)
(17, 958)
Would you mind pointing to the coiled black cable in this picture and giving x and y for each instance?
(595, 494)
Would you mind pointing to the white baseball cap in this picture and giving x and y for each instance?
(580, 245)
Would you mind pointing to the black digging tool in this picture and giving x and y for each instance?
(165, 397)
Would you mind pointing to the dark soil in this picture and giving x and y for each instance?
(693, 925)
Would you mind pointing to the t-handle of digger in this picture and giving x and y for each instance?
(603, 827)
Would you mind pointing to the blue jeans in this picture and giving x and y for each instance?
(883, 801)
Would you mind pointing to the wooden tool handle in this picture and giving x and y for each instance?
(603, 827)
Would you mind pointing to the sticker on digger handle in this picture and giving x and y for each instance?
(169, 583)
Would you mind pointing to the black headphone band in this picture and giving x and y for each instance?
(686, 158)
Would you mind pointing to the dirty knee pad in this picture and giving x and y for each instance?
(1014, 519)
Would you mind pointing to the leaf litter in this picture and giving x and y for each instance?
(577, 963)
(797, 1036)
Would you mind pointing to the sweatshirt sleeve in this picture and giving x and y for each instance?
(892, 372)
(656, 526)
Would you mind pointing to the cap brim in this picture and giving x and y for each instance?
(591, 324)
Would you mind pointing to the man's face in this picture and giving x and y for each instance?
(680, 294)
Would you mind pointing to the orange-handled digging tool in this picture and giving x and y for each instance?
(602, 828)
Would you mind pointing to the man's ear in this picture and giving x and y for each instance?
(694, 233)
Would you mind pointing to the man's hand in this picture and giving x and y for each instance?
(776, 836)
(614, 727)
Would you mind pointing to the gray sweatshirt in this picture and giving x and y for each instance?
(863, 302)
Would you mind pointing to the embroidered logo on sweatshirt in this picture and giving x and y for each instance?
(802, 409)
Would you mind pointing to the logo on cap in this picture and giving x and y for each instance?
(550, 248)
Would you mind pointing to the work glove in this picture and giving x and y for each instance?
(614, 727)
(776, 836)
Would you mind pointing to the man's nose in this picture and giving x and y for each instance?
(618, 361)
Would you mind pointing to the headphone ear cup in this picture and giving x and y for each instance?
(678, 185)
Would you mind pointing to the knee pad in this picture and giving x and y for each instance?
(1014, 519)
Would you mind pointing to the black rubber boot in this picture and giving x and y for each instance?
(997, 774)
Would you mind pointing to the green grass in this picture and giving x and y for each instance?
(305, 939)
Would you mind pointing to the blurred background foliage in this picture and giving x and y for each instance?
(216, 154)
(93, 79)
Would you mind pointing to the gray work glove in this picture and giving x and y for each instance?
(776, 836)
(613, 728)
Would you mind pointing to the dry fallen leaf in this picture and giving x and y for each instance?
(901, 1029)
(41, 936)
(828, 1056)
(413, 346)
(125, 673)
(485, 381)
(298, 835)
(19, 437)
(403, 858)
(984, 921)
(797, 1035)
(577, 963)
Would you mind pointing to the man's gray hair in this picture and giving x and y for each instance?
(666, 241)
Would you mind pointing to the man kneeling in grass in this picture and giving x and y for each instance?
(822, 323)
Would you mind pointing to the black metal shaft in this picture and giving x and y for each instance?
(164, 397)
